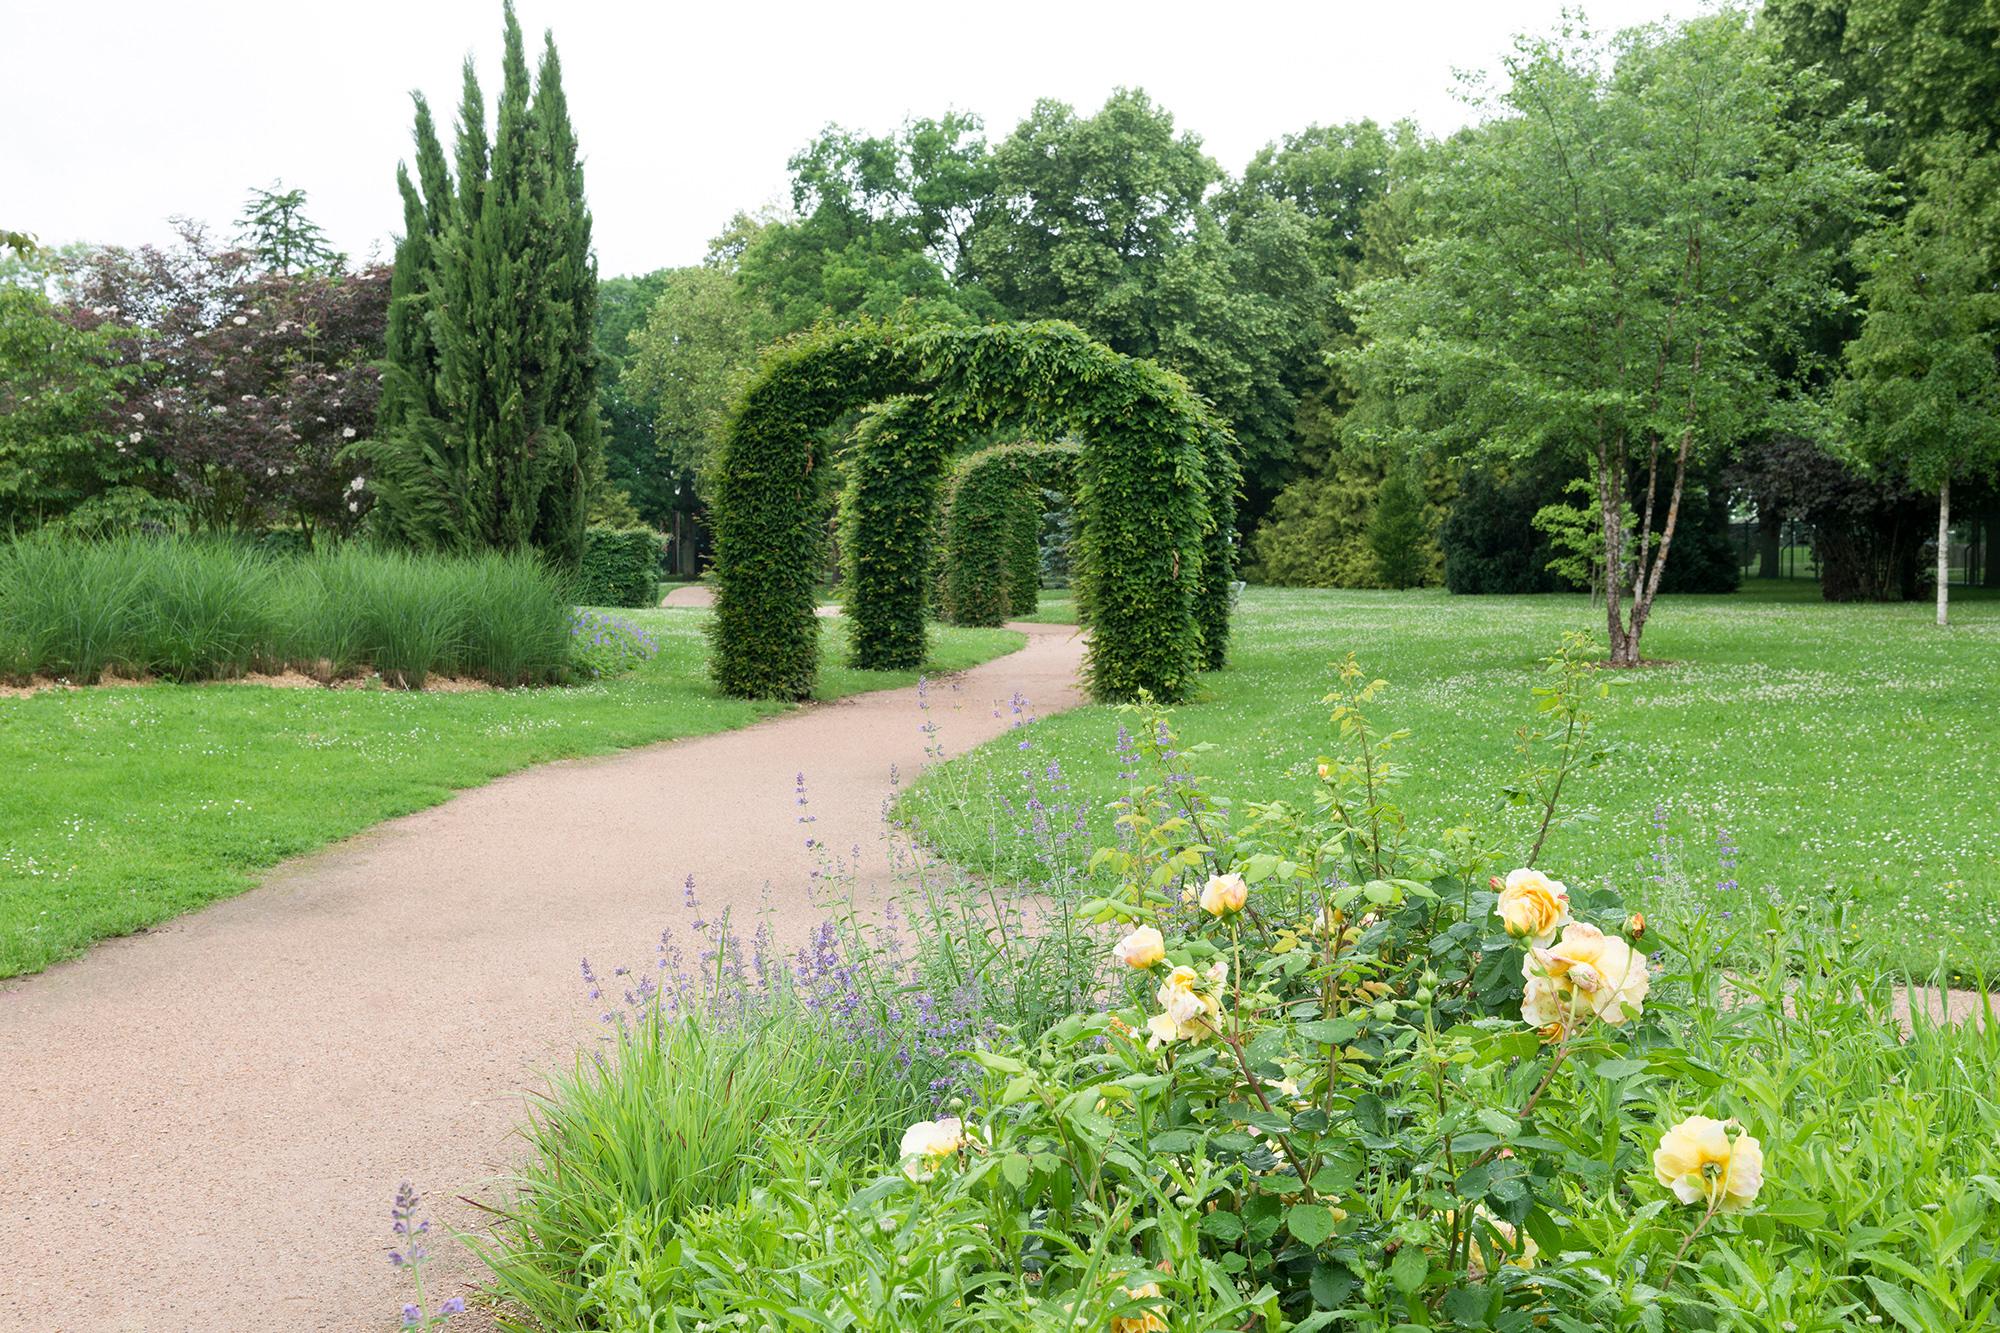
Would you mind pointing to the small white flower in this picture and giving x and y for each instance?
(240, 320)
(359, 483)
(138, 416)
(133, 437)
(353, 506)
(347, 432)
(271, 470)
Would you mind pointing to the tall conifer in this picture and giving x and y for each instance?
(489, 434)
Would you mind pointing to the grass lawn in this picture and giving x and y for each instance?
(125, 806)
(1848, 748)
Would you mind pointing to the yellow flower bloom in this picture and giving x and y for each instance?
(1590, 971)
(928, 1143)
(1532, 906)
(1191, 1008)
(1224, 894)
(1146, 1321)
(1141, 949)
(1702, 1162)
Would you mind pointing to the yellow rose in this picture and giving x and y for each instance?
(1325, 772)
(1701, 1162)
(1595, 971)
(1141, 949)
(1190, 1010)
(927, 1143)
(1224, 894)
(1532, 906)
(1146, 1321)
(1542, 1006)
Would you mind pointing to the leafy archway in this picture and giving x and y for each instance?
(992, 513)
(1155, 482)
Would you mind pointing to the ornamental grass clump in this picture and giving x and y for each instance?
(191, 609)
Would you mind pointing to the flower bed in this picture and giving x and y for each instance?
(1288, 1064)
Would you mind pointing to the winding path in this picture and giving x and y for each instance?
(201, 1127)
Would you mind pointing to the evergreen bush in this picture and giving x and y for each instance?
(992, 530)
(1490, 543)
(621, 567)
(1397, 533)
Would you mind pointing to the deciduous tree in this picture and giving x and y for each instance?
(1619, 248)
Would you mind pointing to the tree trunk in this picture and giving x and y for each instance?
(1944, 552)
(1611, 512)
(1770, 527)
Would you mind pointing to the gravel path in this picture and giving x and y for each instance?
(202, 1127)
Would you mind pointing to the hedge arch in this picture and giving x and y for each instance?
(1155, 482)
(992, 529)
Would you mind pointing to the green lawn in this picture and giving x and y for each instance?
(1846, 747)
(125, 806)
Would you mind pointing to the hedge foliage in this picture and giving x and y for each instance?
(886, 530)
(769, 502)
(621, 567)
(1154, 557)
(992, 526)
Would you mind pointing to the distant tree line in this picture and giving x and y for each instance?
(1735, 266)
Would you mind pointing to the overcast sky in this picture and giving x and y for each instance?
(115, 116)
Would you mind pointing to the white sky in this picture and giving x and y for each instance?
(117, 114)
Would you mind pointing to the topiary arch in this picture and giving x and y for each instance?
(1155, 472)
(991, 566)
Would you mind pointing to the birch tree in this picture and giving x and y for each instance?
(1613, 255)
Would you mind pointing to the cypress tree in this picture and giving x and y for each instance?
(1397, 532)
(488, 432)
(411, 510)
(571, 285)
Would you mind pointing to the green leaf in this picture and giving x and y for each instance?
(999, 1064)
(1311, 1223)
(1466, 1306)
(1895, 1302)
(1336, 1177)
(1616, 1069)
(1223, 1226)
(1329, 1031)
(1409, 1268)
(1331, 1284)
(1014, 1168)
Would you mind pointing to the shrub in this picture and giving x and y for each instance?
(621, 567)
(1489, 541)
(604, 645)
(1398, 537)
(987, 496)
(1153, 488)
